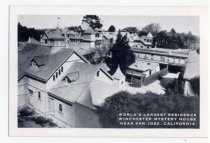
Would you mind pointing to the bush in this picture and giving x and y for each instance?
(195, 84)
(26, 111)
(44, 121)
(124, 102)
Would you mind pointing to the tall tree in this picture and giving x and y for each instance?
(112, 28)
(153, 28)
(122, 54)
(24, 33)
(131, 29)
(93, 21)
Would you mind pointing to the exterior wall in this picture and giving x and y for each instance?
(57, 42)
(37, 88)
(85, 117)
(156, 58)
(73, 58)
(142, 46)
(77, 115)
(22, 92)
(92, 44)
(160, 58)
(64, 118)
(188, 89)
(146, 73)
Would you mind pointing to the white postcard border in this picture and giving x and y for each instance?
(108, 10)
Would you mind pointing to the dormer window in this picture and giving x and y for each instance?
(71, 77)
(33, 63)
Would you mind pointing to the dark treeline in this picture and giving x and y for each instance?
(24, 33)
(167, 39)
(174, 40)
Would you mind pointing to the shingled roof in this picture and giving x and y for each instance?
(73, 92)
(41, 54)
(55, 34)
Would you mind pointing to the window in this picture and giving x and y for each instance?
(45, 41)
(33, 63)
(97, 34)
(51, 105)
(56, 75)
(39, 95)
(30, 91)
(98, 73)
(61, 69)
(53, 77)
(59, 72)
(60, 107)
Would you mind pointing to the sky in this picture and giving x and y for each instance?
(179, 23)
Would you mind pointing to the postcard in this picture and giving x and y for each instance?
(108, 71)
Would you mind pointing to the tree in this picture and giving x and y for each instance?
(153, 28)
(124, 102)
(24, 33)
(142, 33)
(112, 28)
(74, 28)
(122, 54)
(131, 29)
(93, 21)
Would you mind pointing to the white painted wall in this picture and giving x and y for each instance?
(36, 87)
(64, 118)
(22, 92)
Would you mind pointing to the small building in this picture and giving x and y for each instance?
(140, 70)
(148, 38)
(83, 49)
(54, 37)
(92, 37)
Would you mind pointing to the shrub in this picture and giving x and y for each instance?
(195, 84)
(124, 102)
(26, 111)
(44, 121)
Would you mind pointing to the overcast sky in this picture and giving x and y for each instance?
(179, 23)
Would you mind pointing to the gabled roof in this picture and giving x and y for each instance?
(149, 35)
(143, 42)
(143, 66)
(52, 61)
(118, 74)
(55, 34)
(33, 41)
(73, 92)
(82, 48)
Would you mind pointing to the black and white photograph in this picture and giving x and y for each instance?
(108, 71)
